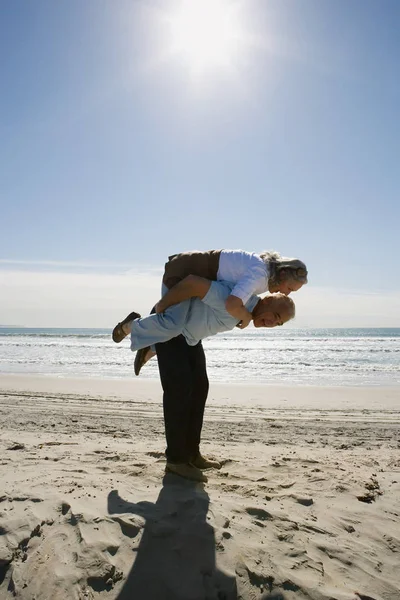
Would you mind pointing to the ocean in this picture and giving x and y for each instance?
(339, 357)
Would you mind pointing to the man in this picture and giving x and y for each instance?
(193, 319)
(182, 364)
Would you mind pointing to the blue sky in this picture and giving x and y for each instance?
(114, 154)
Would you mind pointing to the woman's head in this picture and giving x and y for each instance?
(286, 274)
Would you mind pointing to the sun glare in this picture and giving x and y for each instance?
(206, 33)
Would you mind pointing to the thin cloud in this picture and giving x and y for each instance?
(331, 307)
(77, 266)
(59, 299)
(41, 298)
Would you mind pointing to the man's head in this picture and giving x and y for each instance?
(273, 310)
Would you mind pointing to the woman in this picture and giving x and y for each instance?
(252, 274)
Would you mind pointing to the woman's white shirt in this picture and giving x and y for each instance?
(246, 269)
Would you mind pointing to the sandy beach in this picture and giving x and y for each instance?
(306, 505)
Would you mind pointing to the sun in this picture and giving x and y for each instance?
(206, 34)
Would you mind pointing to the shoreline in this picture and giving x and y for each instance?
(241, 394)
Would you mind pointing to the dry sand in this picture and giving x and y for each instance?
(306, 505)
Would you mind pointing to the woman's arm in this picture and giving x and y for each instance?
(190, 287)
(235, 307)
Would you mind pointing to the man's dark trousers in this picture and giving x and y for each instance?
(185, 383)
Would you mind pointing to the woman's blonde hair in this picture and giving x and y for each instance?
(293, 267)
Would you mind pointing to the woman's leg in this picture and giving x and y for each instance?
(161, 327)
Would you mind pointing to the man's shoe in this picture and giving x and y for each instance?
(201, 462)
(186, 470)
(118, 333)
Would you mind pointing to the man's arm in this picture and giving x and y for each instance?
(190, 287)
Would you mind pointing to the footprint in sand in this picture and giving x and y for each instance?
(156, 454)
(259, 513)
(16, 446)
(303, 500)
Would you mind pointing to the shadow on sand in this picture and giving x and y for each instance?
(175, 559)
